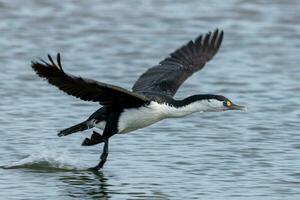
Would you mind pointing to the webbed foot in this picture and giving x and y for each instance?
(96, 138)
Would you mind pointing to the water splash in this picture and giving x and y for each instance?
(45, 161)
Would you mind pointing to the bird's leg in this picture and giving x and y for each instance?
(96, 138)
(109, 130)
(103, 156)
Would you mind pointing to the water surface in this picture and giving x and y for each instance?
(230, 155)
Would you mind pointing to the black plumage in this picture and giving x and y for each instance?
(86, 89)
(157, 85)
(167, 77)
(161, 81)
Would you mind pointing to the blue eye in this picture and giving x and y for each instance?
(224, 103)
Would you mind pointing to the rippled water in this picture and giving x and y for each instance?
(230, 155)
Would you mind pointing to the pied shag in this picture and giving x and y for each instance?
(151, 98)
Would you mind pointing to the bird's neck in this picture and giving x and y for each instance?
(181, 108)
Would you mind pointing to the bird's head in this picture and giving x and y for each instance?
(212, 103)
(217, 103)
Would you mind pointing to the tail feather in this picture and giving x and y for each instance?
(73, 129)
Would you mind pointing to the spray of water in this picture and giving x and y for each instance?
(45, 160)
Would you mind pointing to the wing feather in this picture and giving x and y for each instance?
(86, 89)
(169, 75)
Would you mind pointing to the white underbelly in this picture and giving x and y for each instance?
(132, 119)
(136, 118)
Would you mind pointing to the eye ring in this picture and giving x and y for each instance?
(224, 104)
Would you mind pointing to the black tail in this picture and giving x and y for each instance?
(73, 129)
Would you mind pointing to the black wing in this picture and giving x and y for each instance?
(86, 89)
(167, 77)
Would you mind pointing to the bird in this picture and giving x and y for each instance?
(151, 98)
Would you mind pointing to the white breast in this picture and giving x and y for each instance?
(136, 118)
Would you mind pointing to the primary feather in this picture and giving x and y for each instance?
(86, 89)
(169, 75)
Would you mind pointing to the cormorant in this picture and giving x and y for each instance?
(151, 98)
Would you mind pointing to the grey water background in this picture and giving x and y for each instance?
(230, 155)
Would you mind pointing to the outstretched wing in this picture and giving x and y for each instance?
(167, 77)
(86, 89)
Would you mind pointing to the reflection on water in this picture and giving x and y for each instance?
(228, 155)
(91, 185)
